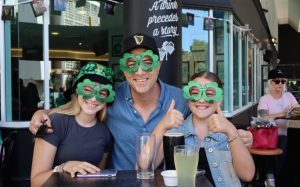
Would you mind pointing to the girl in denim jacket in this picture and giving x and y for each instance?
(222, 154)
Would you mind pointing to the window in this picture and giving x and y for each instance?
(23, 76)
(244, 72)
(76, 35)
(87, 30)
(194, 44)
(250, 69)
(232, 58)
(236, 69)
(222, 51)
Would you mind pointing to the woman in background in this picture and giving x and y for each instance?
(276, 103)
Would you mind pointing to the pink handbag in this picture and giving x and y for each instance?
(264, 138)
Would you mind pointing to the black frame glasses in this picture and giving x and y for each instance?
(277, 81)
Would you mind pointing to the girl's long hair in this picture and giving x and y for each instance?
(73, 108)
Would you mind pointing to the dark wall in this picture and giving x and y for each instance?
(243, 119)
(288, 46)
(167, 32)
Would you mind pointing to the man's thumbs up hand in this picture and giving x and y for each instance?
(173, 117)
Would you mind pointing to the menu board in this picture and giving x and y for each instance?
(160, 19)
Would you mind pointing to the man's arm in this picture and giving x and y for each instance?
(172, 119)
(40, 117)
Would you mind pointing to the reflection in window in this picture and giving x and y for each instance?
(250, 68)
(0, 102)
(258, 73)
(30, 85)
(194, 44)
(75, 37)
(221, 51)
(61, 79)
(86, 15)
(24, 74)
(244, 71)
(236, 81)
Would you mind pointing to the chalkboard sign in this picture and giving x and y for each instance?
(160, 19)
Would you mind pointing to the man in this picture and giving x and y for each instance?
(141, 102)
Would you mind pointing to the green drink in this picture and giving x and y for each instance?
(186, 161)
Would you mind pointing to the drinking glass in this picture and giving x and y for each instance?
(170, 140)
(145, 155)
(186, 161)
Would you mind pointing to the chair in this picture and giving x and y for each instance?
(16, 165)
(5, 155)
(260, 156)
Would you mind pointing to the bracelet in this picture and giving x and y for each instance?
(236, 135)
(55, 170)
(62, 167)
(59, 168)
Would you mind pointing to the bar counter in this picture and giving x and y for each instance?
(123, 179)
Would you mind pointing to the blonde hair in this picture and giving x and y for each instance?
(73, 108)
(269, 87)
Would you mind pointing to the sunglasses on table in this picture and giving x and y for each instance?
(277, 81)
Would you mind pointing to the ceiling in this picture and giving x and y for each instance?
(69, 40)
(288, 13)
(248, 13)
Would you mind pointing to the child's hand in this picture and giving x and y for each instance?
(81, 167)
(218, 123)
(246, 137)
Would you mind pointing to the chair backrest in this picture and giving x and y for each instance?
(5, 154)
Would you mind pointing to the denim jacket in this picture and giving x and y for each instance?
(217, 152)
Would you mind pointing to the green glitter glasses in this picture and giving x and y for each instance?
(147, 60)
(210, 92)
(104, 93)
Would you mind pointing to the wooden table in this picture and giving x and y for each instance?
(123, 179)
(290, 118)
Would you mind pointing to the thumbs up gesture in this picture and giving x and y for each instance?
(173, 117)
(218, 123)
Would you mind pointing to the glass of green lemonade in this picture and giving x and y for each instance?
(186, 161)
